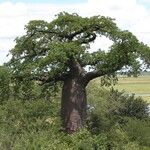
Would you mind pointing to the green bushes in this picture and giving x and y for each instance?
(117, 115)
(4, 84)
(36, 125)
(139, 131)
(116, 122)
(128, 105)
(23, 124)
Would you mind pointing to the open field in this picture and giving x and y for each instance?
(140, 86)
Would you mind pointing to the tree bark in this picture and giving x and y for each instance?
(73, 105)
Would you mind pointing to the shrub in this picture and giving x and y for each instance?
(112, 107)
(112, 115)
(128, 105)
(21, 121)
(4, 84)
(36, 125)
(139, 131)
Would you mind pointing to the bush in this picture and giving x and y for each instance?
(4, 84)
(139, 131)
(111, 107)
(36, 125)
(20, 121)
(128, 105)
(112, 115)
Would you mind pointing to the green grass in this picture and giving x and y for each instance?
(140, 86)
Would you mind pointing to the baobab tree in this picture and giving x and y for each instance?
(59, 51)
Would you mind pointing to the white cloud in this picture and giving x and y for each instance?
(129, 14)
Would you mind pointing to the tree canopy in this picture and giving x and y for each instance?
(49, 51)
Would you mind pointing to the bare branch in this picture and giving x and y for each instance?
(98, 73)
(92, 75)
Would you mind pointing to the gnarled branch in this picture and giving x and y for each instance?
(98, 73)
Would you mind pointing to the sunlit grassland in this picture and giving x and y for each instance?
(140, 86)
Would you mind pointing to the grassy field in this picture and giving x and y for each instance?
(140, 86)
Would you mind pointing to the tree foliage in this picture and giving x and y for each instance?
(49, 50)
(4, 83)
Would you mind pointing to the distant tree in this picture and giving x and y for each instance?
(59, 52)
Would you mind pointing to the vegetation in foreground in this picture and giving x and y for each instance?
(116, 121)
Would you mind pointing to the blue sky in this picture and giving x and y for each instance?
(145, 3)
(47, 1)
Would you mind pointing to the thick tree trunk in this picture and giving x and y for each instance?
(73, 106)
